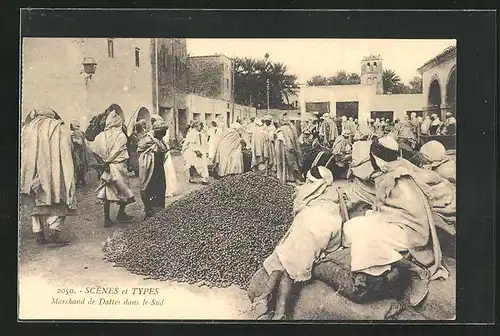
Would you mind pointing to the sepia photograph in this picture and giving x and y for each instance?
(237, 179)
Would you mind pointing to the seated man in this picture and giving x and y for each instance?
(362, 192)
(400, 222)
(315, 230)
(450, 125)
(435, 157)
(342, 150)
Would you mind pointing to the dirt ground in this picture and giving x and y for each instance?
(43, 269)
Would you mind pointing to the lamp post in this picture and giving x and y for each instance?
(266, 68)
(267, 86)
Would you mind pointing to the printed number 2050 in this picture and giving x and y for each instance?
(66, 291)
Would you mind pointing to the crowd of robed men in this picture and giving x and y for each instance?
(401, 204)
(388, 216)
(55, 160)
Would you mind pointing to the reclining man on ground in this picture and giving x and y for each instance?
(399, 229)
(400, 222)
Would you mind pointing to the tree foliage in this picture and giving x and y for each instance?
(392, 84)
(416, 84)
(340, 78)
(250, 83)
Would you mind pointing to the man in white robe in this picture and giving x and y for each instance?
(270, 129)
(47, 174)
(315, 232)
(228, 158)
(214, 133)
(193, 150)
(260, 148)
(114, 187)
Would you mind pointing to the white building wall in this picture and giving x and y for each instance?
(52, 76)
(368, 100)
(338, 93)
(118, 80)
(208, 109)
(399, 103)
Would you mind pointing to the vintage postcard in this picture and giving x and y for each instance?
(237, 179)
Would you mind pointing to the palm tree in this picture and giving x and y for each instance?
(318, 80)
(353, 78)
(341, 78)
(251, 81)
(283, 84)
(390, 80)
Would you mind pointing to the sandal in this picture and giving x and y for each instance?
(267, 316)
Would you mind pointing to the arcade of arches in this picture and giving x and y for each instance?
(441, 90)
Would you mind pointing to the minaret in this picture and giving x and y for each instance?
(371, 72)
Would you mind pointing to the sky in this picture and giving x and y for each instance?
(309, 57)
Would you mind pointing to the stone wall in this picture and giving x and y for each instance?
(211, 77)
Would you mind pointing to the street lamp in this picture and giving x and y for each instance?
(89, 67)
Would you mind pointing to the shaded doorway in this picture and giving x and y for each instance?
(143, 113)
(434, 98)
(183, 121)
(348, 109)
(320, 107)
(167, 113)
(382, 115)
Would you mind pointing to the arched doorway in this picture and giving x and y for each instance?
(143, 113)
(451, 92)
(118, 110)
(434, 98)
(140, 113)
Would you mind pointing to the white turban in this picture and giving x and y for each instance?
(237, 126)
(323, 172)
(434, 151)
